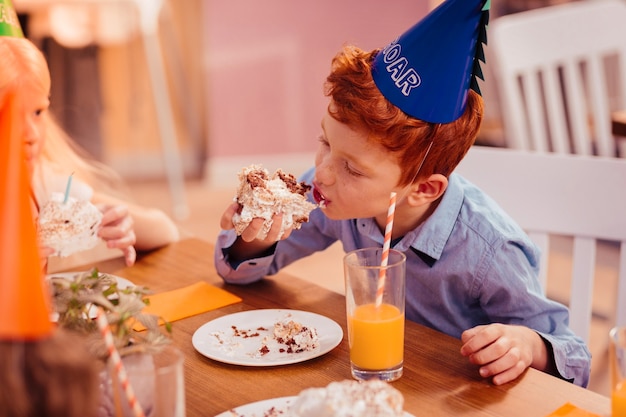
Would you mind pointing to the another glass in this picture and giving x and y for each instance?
(375, 323)
(157, 380)
(617, 363)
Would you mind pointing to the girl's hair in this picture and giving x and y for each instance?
(24, 64)
(39, 378)
(359, 104)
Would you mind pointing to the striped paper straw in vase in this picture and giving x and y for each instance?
(386, 245)
(105, 330)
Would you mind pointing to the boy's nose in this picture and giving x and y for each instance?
(324, 173)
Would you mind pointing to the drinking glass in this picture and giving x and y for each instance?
(617, 363)
(157, 380)
(375, 318)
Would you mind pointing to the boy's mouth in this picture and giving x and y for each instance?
(320, 199)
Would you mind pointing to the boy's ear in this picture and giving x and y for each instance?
(428, 190)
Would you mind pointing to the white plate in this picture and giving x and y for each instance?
(216, 339)
(121, 282)
(262, 408)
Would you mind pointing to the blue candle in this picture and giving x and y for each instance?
(67, 188)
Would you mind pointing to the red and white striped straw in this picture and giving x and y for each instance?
(386, 245)
(105, 330)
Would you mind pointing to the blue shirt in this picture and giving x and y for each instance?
(468, 264)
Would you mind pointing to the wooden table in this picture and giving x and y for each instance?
(437, 380)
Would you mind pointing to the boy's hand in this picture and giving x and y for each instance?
(503, 351)
(247, 246)
(252, 231)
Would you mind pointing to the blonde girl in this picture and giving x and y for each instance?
(52, 156)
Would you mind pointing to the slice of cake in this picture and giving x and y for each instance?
(373, 398)
(262, 195)
(70, 226)
(297, 337)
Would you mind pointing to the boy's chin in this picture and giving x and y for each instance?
(331, 214)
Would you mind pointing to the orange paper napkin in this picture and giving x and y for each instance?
(570, 410)
(188, 301)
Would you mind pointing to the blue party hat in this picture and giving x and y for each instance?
(428, 71)
(9, 23)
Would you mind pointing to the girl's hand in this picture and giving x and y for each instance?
(116, 229)
(44, 253)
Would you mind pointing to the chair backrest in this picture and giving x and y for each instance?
(578, 196)
(560, 71)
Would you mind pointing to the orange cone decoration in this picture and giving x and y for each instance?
(24, 298)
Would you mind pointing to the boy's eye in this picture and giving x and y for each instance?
(346, 165)
(350, 171)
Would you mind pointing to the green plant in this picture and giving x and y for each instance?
(77, 298)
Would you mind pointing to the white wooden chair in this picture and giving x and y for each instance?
(583, 197)
(560, 72)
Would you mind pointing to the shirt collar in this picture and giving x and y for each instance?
(431, 236)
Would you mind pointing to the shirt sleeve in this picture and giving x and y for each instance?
(573, 360)
(310, 238)
(244, 272)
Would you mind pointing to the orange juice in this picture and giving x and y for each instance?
(618, 400)
(376, 336)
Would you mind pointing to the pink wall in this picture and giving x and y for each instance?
(266, 62)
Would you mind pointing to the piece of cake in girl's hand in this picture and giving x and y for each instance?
(262, 195)
(70, 226)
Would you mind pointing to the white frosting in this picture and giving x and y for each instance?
(298, 337)
(266, 198)
(373, 398)
(68, 227)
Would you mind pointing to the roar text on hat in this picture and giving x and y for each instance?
(9, 23)
(7, 15)
(405, 77)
